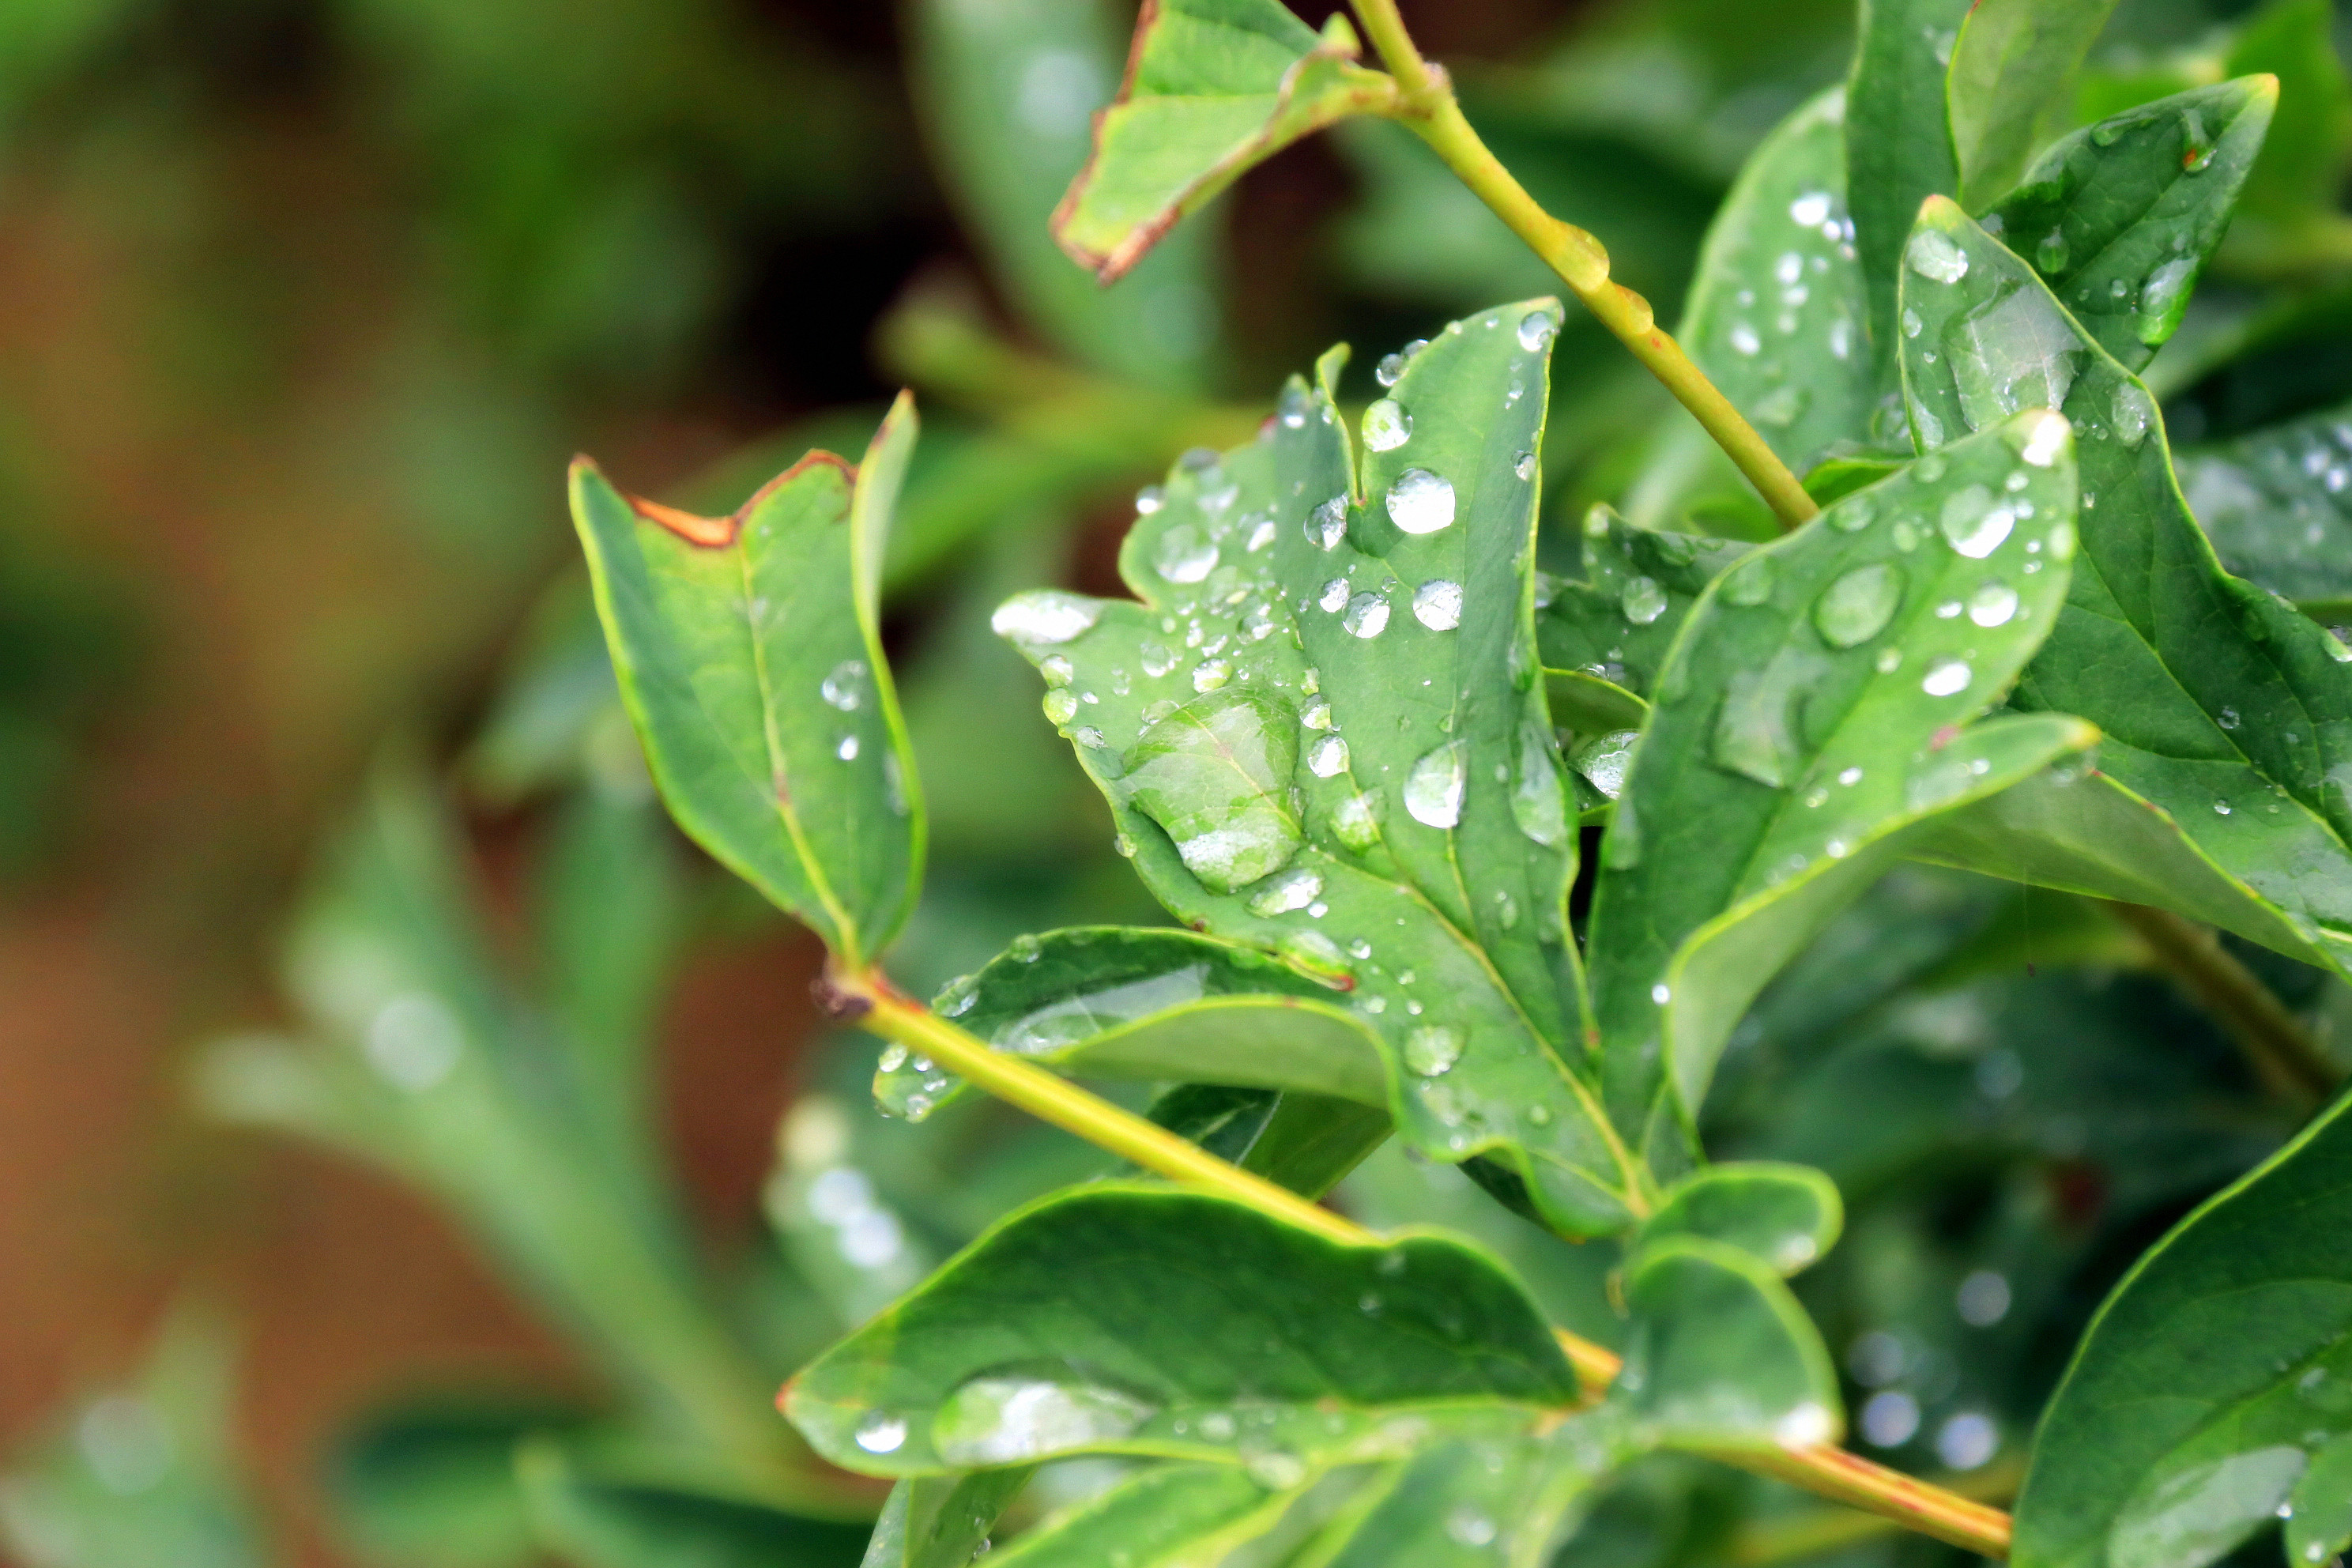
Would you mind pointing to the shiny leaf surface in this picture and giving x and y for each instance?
(2011, 63)
(1721, 1355)
(2277, 504)
(1898, 139)
(1785, 1216)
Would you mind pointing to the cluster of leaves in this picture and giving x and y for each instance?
(1668, 887)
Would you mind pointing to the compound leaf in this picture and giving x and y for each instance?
(1811, 711)
(1322, 733)
(750, 655)
(1212, 88)
(2216, 1375)
(1133, 1319)
(2218, 701)
(2120, 217)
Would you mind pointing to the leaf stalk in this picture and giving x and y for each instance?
(2282, 1052)
(864, 997)
(1426, 103)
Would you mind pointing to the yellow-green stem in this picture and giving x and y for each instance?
(868, 1000)
(1425, 102)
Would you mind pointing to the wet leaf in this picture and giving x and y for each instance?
(1165, 1516)
(1898, 140)
(1153, 1005)
(1779, 317)
(2209, 1380)
(1416, 853)
(2277, 504)
(1471, 1504)
(1721, 1355)
(1212, 88)
(2218, 701)
(750, 658)
(2319, 1523)
(941, 1522)
(2120, 217)
(2010, 67)
(1133, 1319)
(1812, 710)
(1785, 1216)
(1604, 636)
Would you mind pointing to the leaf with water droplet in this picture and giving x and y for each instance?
(2157, 644)
(1160, 1516)
(2231, 1343)
(941, 1522)
(2124, 208)
(724, 631)
(1143, 1345)
(1736, 869)
(1602, 664)
(1899, 149)
(1212, 89)
(2277, 503)
(1785, 1216)
(1721, 1355)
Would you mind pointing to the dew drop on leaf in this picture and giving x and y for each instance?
(1007, 1420)
(1355, 821)
(1749, 583)
(1433, 791)
(844, 689)
(1366, 616)
(847, 749)
(881, 1433)
(1603, 760)
(1857, 606)
(1431, 1050)
(1994, 604)
(1933, 256)
(1215, 774)
(1061, 705)
(1045, 616)
(1538, 327)
(1184, 554)
(1974, 523)
(1421, 501)
(1643, 600)
(1282, 894)
(1327, 523)
(1328, 757)
(1947, 677)
(1437, 605)
(1386, 425)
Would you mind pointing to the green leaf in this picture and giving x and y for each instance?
(1785, 1216)
(1165, 1516)
(1008, 94)
(1809, 713)
(1898, 139)
(941, 1522)
(436, 1483)
(2301, 174)
(1151, 1004)
(1390, 648)
(1133, 1319)
(2277, 506)
(1312, 1141)
(1778, 318)
(1721, 1355)
(1609, 630)
(2217, 702)
(2319, 1525)
(1468, 1504)
(2120, 217)
(750, 655)
(600, 1522)
(2009, 69)
(2209, 1379)
(1212, 88)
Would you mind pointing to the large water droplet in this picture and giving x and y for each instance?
(1328, 757)
(1386, 425)
(1603, 760)
(1994, 604)
(1355, 821)
(881, 1433)
(1045, 616)
(1947, 677)
(1061, 705)
(1974, 522)
(2131, 411)
(1433, 791)
(1185, 555)
(1421, 501)
(1857, 606)
(1431, 1050)
(1366, 616)
(1007, 1420)
(1215, 774)
(2163, 299)
(1437, 605)
(1538, 327)
(1327, 523)
(1933, 256)
(1643, 600)
(1282, 894)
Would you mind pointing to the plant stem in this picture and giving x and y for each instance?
(868, 1000)
(2284, 1056)
(1425, 102)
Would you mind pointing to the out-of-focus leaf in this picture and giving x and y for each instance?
(1112, 1001)
(2300, 174)
(1165, 1516)
(2218, 701)
(941, 1522)
(2210, 1378)
(1010, 91)
(436, 1483)
(1321, 733)
(1212, 88)
(750, 653)
(1899, 140)
(1778, 318)
(2319, 1517)
(1811, 710)
(2277, 504)
(1472, 1505)
(602, 1521)
(2120, 216)
(2010, 68)
(1782, 1215)
(1129, 1319)
(1721, 1355)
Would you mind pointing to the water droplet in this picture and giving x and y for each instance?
(1466, 1526)
(1743, 339)
(1210, 674)
(1215, 774)
(1603, 760)
(1808, 210)
(848, 750)
(1008, 1420)
(881, 1433)
(1911, 323)
(1291, 406)
(1355, 822)
(1290, 890)
(2163, 299)
(2050, 254)
(1184, 554)
(1328, 757)
(1431, 1050)
(1749, 583)
(1437, 605)
(1947, 677)
(1994, 604)
(1857, 606)
(1045, 616)
(1386, 427)
(2016, 352)
(2221, 808)
(2039, 437)
(2131, 412)
(1524, 465)
(1366, 616)
(1334, 598)
(1327, 523)
(1273, 1470)
(844, 689)
(1433, 791)
(1061, 706)
(1538, 327)
(1149, 500)
(1975, 523)
(1643, 600)
(1933, 256)
(1421, 501)
(1260, 536)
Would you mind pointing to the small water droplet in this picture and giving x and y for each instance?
(1857, 606)
(1809, 210)
(1467, 1527)
(844, 689)
(1045, 616)
(1327, 523)
(1431, 1050)
(1328, 757)
(1149, 500)
(1061, 706)
(1743, 339)
(1421, 501)
(2221, 807)
(1524, 465)
(1366, 616)
(1994, 604)
(1433, 791)
(2050, 254)
(1974, 523)
(1911, 323)
(1355, 822)
(1932, 255)
(1386, 427)
(881, 1433)
(1185, 555)
(1282, 894)
(1749, 583)
(1947, 677)
(1437, 605)
(1643, 600)
(1538, 327)
(1210, 674)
